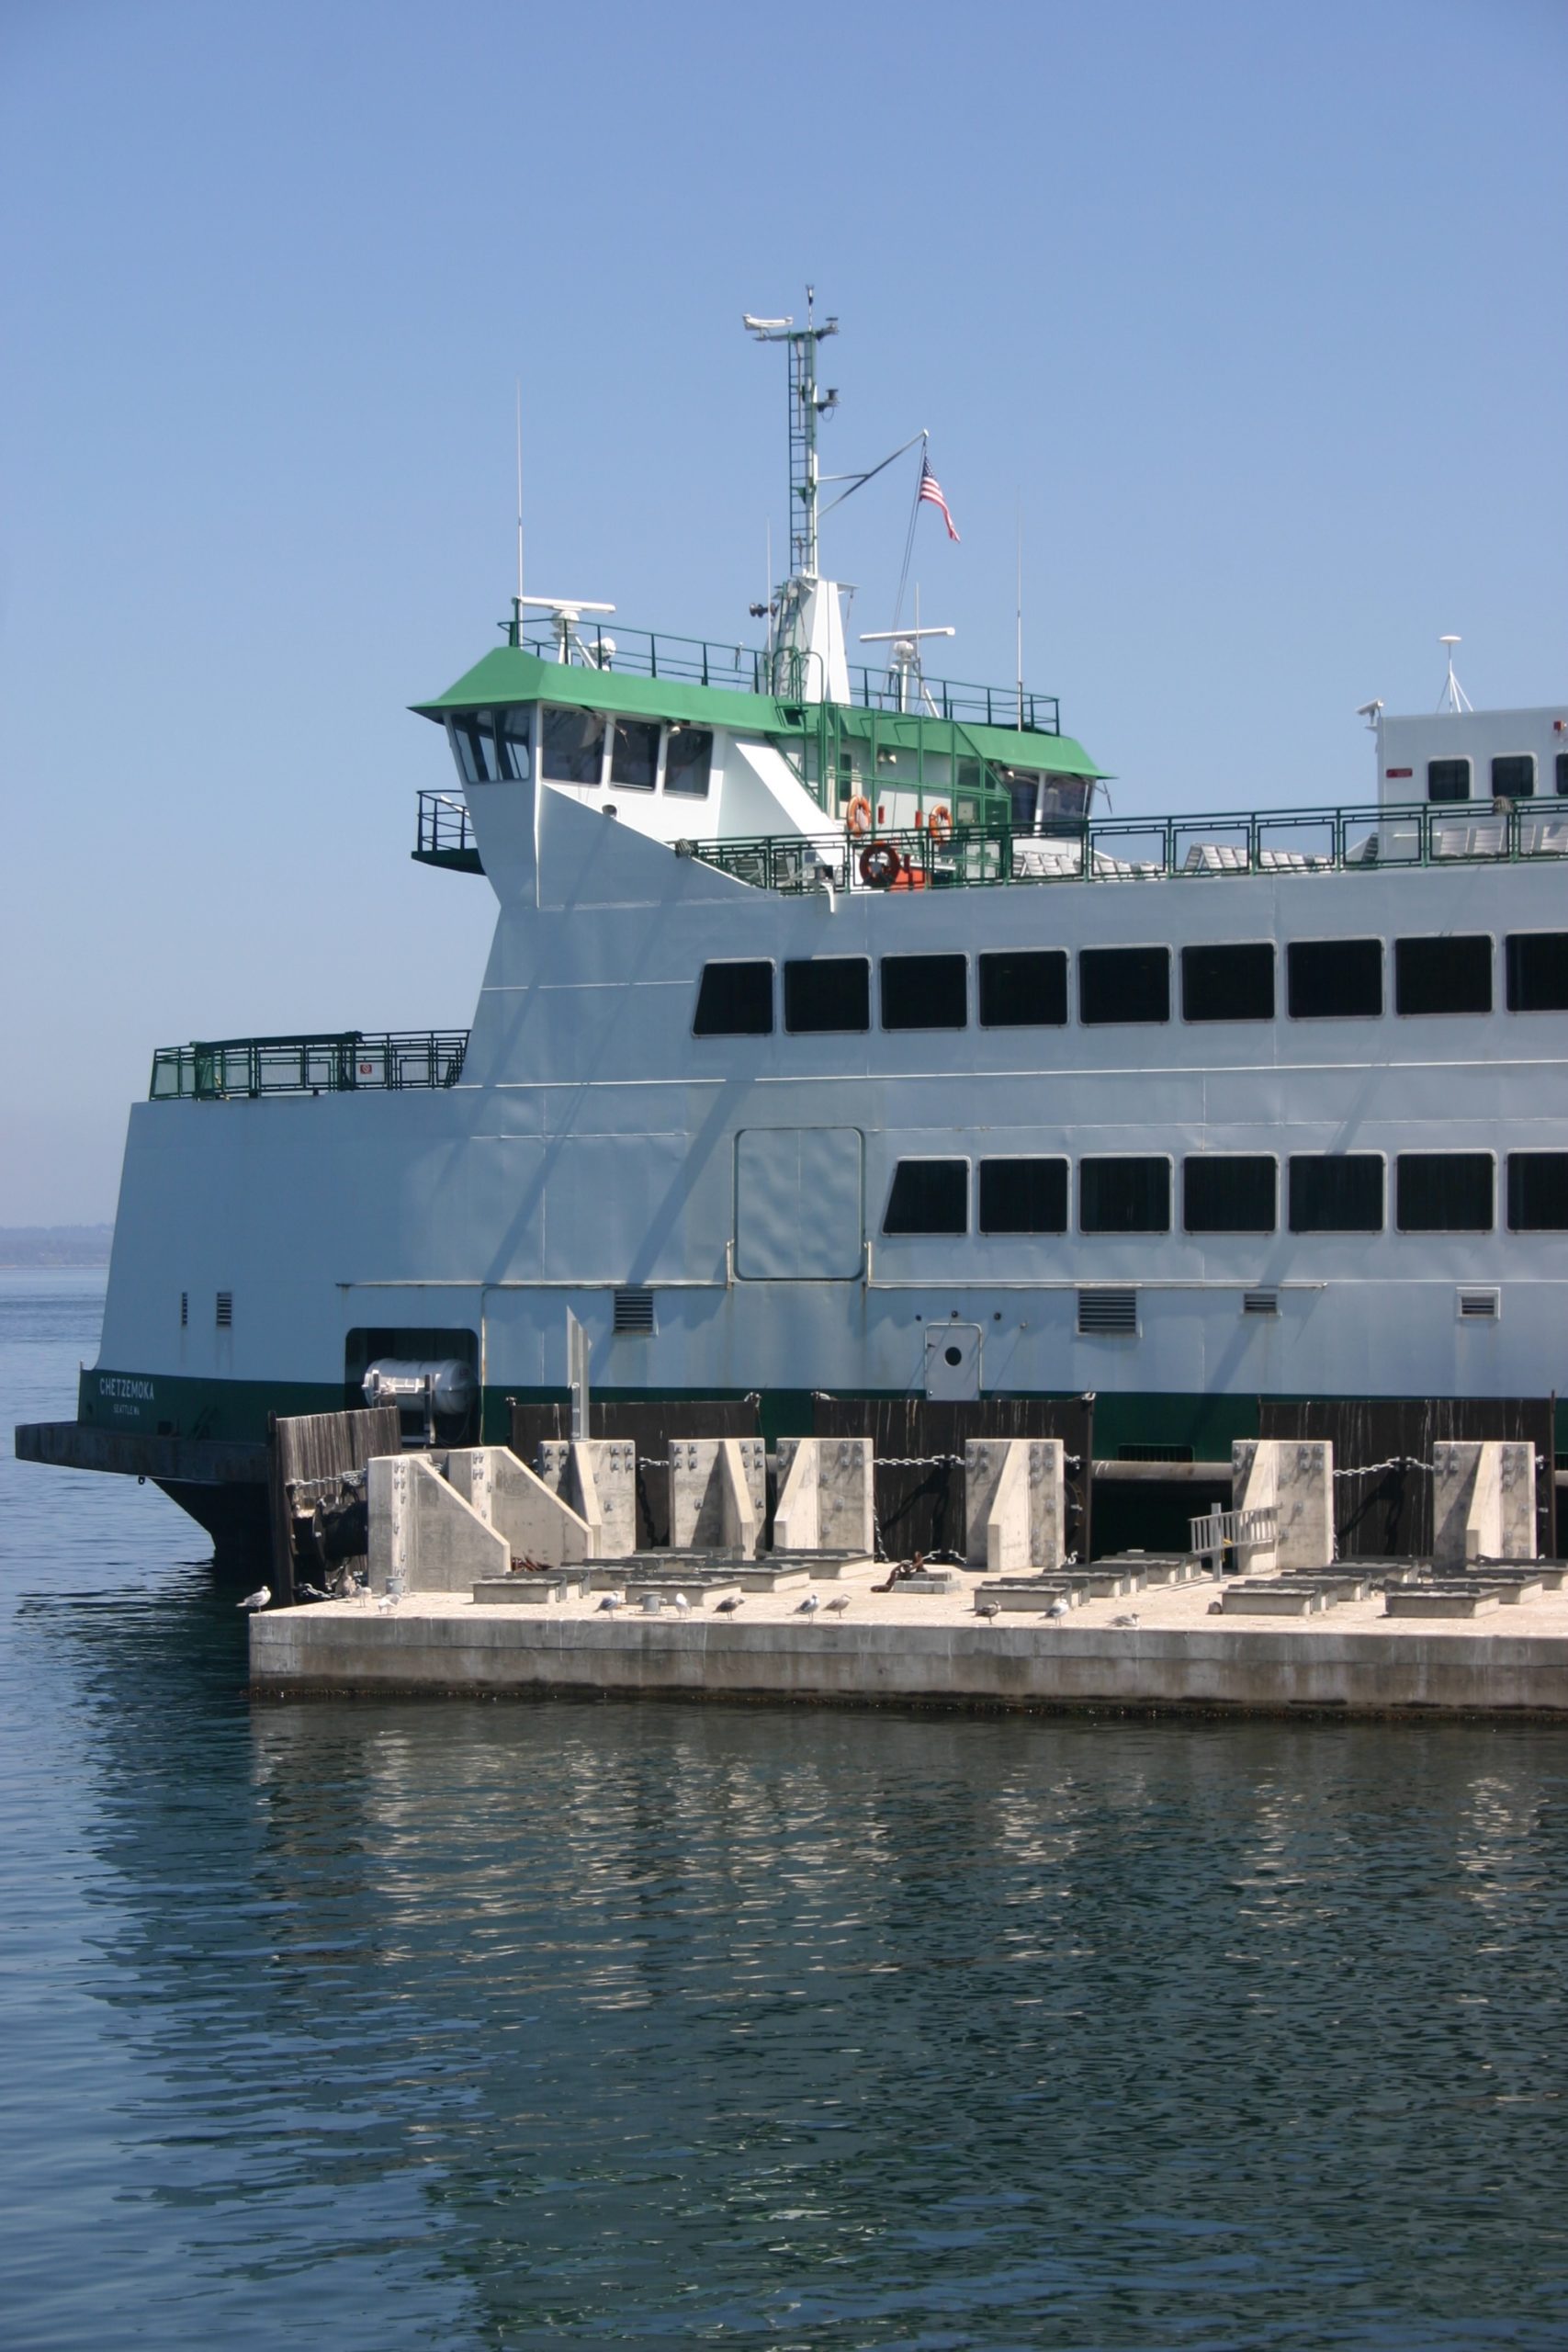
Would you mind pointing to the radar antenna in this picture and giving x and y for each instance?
(807, 405)
(1453, 696)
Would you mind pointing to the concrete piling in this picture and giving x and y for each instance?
(1015, 1504)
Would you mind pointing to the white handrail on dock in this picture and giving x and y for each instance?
(1244, 1531)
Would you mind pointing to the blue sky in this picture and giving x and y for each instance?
(1258, 308)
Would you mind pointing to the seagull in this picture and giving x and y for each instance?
(987, 1609)
(257, 1600)
(728, 1608)
(838, 1605)
(1058, 1606)
(1216, 1608)
(809, 1606)
(682, 1604)
(386, 1601)
(1130, 1618)
(610, 1601)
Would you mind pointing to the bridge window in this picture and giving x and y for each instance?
(514, 742)
(1023, 792)
(634, 754)
(1227, 983)
(1124, 984)
(1337, 1191)
(1538, 1191)
(924, 992)
(473, 741)
(688, 760)
(1446, 974)
(929, 1196)
(1025, 989)
(828, 992)
(1023, 1196)
(1537, 965)
(1124, 1195)
(1512, 775)
(1443, 1192)
(1563, 774)
(735, 1000)
(572, 746)
(1225, 1192)
(1448, 779)
(1334, 979)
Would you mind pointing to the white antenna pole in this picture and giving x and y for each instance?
(519, 509)
(1020, 612)
(1453, 695)
(768, 596)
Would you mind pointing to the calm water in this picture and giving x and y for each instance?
(537, 2025)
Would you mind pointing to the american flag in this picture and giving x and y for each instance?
(931, 490)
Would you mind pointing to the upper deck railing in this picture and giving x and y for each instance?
(780, 675)
(1143, 849)
(339, 1062)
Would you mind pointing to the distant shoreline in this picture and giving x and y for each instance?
(53, 1248)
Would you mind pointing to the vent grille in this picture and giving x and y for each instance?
(1108, 1314)
(185, 1308)
(1479, 1307)
(633, 1313)
(225, 1310)
(1260, 1302)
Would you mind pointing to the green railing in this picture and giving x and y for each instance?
(1132, 849)
(342, 1061)
(703, 662)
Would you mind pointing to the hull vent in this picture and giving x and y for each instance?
(1479, 1307)
(225, 1310)
(1260, 1302)
(634, 1314)
(1108, 1314)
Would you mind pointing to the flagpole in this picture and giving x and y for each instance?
(1020, 612)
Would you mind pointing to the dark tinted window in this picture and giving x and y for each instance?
(1512, 775)
(735, 1000)
(1229, 1192)
(1334, 979)
(688, 760)
(924, 992)
(1337, 1191)
(572, 745)
(634, 754)
(929, 1196)
(1443, 1192)
(1537, 967)
(1124, 984)
(473, 734)
(1023, 1196)
(830, 992)
(514, 731)
(1227, 983)
(1124, 1195)
(1443, 975)
(1024, 991)
(1538, 1191)
(1562, 772)
(1448, 779)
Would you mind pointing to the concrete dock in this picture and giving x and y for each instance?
(903, 1648)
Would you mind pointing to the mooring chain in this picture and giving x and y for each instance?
(1395, 1462)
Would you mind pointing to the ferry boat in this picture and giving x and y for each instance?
(835, 1038)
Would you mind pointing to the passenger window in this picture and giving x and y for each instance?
(1124, 1195)
(634, 754)
(1448, 779)
(924, 992)
(1512, 775)
(515, 744)
(1535, 962)
(688, 760)
(1023, 1196)
(929, 1196)
(1443, 1192)
(1229, 1192)
(828, 993)
(573, 746)
(1334, 979)
(1026, 989)
(1227, 983)
(1563, 774)
(1538, 1191)
(1337, 1191)
(1124, 984)
(1446, 974)
(735, 1000)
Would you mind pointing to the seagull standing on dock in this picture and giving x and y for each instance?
(1058, 1609)
(682, 1604)
(838, 1605)
(809, 1606)
(987, 1609)
(728, 1608)
(612, 1601)
(257, 1600)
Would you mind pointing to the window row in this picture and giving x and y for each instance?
(582, 747)
(1512, 775)
(1337, 1191)
(1326, 979)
